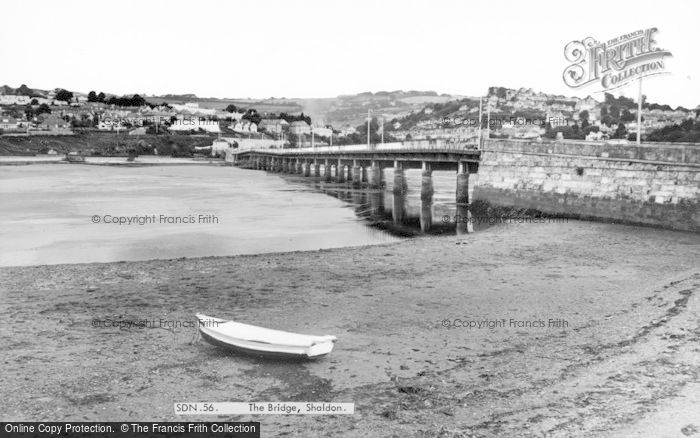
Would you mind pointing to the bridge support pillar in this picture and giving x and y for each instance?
(315, 169)
(426, 183)
(356, 176)
(285, 165)
(326, 171)
(398, 208)
(463, 183)
(374, 176)
(306, 169)
(464, 224)
(339, 172)
(426, 215)
(399, 178)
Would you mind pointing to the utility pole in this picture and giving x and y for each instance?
(488, 121)
(313, 145)
(639, 114)
(382, 129)
(479, 122)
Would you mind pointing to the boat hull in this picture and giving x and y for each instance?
(258, 353)
(261, 342)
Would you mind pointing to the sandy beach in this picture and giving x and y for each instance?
(624, 365)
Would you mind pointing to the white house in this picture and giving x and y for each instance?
(299, 127)
(14, 100)
(244, 126)
(7, 123)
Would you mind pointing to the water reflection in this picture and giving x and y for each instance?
(414, 212)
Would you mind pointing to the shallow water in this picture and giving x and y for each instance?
(50, 210)
(404, 215)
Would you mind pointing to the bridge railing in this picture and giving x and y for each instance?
(419, 145)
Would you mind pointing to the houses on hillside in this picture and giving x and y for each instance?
(244, 127)
(15, 100)
(274, 126)
(8, 123)
(50, 122)
(299, 127)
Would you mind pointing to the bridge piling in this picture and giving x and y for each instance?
(426, 214)
(374, 176)
(399, 179)
(426, 187)
(463, 220)
(356, 174)
(339, 172)
(327, 171)
(462, 196)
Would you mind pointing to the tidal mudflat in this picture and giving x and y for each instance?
(624, 362)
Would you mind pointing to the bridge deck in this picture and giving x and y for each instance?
(434, 153)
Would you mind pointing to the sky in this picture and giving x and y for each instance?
(324, 48)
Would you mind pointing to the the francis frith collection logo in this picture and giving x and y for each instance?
(615, 62)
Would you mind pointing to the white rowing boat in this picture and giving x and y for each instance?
(262, 341)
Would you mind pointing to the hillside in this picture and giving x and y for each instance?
(350, 110)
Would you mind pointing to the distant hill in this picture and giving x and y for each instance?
(352, 109)
(179, 96)
(349, 109)
(22, 90)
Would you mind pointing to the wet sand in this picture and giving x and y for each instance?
(627, 364)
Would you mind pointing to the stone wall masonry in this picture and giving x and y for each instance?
(626, 183)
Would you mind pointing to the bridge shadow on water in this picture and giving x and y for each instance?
(409, 213)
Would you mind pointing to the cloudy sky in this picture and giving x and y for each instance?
(323, 48)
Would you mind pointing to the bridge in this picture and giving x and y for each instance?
(363, 164)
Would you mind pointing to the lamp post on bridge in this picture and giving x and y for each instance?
(369, 118)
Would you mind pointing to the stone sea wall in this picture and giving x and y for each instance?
(650, 184)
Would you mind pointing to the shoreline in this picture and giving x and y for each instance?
(215, 258)
(632, 333)
(148, 160)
